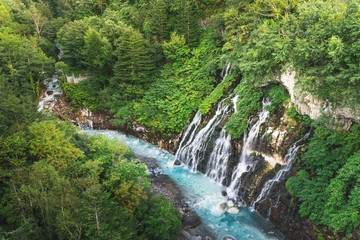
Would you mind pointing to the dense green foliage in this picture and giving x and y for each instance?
(317, 38)
(169, 103)
(156, 63)
(60, 184)
(328, 187)
(277, 95)
(83, 95)
(216, 94)
(247, 104)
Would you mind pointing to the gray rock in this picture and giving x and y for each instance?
(228, 237)
(177, 162)
(191, 221)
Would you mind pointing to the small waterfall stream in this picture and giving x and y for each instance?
(188, 136)
(217, 167)
(290, 160)
(193, 153)
(244, 164)
(53, 92)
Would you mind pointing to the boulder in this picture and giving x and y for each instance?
(177, 162)
(230, 204)
(191, 221)
(228, 237)
(224, 193)
(233, 210)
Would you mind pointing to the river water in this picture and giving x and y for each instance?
(204, 194)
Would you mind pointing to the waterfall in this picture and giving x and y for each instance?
(234, 101)
(244, 164)
(193, 153)
(219, 158)
(225, 71)
(290, 160)
(218, 164)
(53, 92)
(188, 136)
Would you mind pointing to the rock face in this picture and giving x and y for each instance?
(82, 118)
(306, 104)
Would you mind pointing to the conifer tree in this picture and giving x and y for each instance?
(97, 51)
(188, 23)
(134, 64)
(160, 21)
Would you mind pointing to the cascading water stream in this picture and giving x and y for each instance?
(192, 154)
(53, 91)
(244, 164)
(290, 160)
(188, 136)
(218, 163)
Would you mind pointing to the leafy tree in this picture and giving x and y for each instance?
(327, 188)
(38, 19)
(159, 18)
(160, 220)
(16, 110)
(48, 143)
(176, 49)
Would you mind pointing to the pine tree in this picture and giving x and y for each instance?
(188, 23)
(160, 21)
(97, 51)
(134, 65)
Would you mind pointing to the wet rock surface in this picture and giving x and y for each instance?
(191, 221)
(64, 111)
(161, 184)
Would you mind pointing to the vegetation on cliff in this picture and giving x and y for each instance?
(157, 62)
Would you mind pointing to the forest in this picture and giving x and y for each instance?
(156, 63)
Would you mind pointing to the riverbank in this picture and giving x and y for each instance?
(162, 184)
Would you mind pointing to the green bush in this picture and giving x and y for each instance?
(81, 95)
(247, 104)
(277, 95)
(327, 187)
(304, 120)
(216, 94)
(161, 221)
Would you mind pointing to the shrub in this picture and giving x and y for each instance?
(247, 104)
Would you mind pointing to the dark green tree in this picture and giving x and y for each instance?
(187, 24)
(160, 27)
(97, 51)
(134, 65)
(72, 42)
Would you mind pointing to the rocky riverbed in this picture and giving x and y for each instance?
(161, 184)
